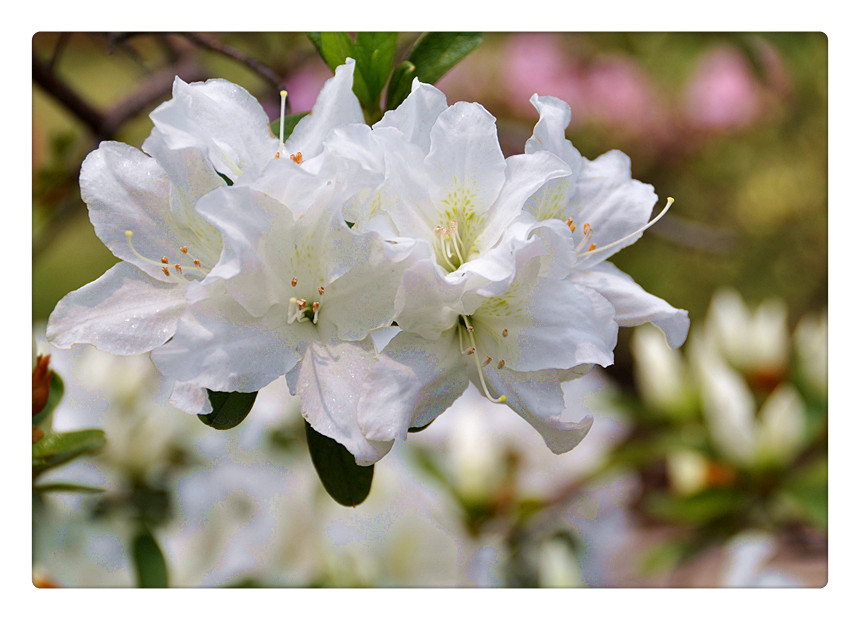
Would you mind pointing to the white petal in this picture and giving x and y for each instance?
(541, 323)
(634, 306)
(126, 190)
(124, 312)
(220, 119)
(190, 398)
(416, 115)
(549, 132)
(329, 383)
(524, 175)
(439, 369)
(220, 346)
(612, 203)
(537, 397)
(465, 163)
(336, 105)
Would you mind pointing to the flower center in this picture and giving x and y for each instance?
(472, 350)
(302, 310)
(187, 265)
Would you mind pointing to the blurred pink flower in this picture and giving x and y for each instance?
(723, 93)
(619, 93)
(304, 85)
(535, 63)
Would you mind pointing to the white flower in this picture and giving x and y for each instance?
(300, 296)
(142, 206)
(605, 210)
(751, 341)
(516, 343)
(771, 435)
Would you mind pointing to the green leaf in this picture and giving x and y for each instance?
(375, 59)
(65, 487)
(149, 561)
(400, 85)
(347, 482)
(433, 55)
(55, 394)
(290, 122)
(57, 448)
(229, 409)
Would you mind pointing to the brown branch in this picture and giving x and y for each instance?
(256, 66)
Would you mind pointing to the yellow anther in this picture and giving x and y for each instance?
(487, 361)
(166, 271)
(164, 260)
(297, 157)
(321, 290)
(505, 333)
(294, 281)
(196, 262)
(178, 268)
(501, 364)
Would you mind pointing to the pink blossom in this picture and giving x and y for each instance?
(723, 93)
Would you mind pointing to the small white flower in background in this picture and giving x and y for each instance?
(660, 371)
(751, 341)
(745, 434)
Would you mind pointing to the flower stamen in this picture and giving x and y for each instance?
(164, 264)
(593, 249)
(471, 351)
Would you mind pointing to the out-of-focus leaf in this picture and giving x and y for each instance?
(229, 409)
(701, 508)
(65, 487)
(806, 492)
(57, 448)
(345, 481)
(375, 51)
(432, 56)
(149, 561)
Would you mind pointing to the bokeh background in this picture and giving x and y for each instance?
(705, 467)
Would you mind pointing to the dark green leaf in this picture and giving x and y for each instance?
(347, 482)
(375, 59)
(57, 448)
(418, 429)
(228, 409)
(333, 47)
(149, 561)
(400, 85)
(290, 122)
(54, 395)
(434, 54)
(65, 487)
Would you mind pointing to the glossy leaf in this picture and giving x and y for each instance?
(149, 561)
(229, 409)
(57, 448)
(433, 55)
(400, 85)
(345, 481)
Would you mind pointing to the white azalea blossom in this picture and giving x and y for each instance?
(606, 210)
(247, 258)
(143, 207)
(300, 296)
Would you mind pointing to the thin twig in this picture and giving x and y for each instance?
(256, 66)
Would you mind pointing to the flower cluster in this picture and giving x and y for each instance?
(380, 269)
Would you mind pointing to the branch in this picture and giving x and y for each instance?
(217, 46)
